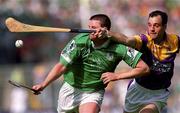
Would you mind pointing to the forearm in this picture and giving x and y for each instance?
(54, 74)
(134, 73)
(121, 38)
(141, 69)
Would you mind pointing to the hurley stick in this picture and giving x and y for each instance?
(16, 26)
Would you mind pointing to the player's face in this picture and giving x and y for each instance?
(155, 27)
(94, 25)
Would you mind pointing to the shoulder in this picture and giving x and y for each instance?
(82, 39)
(173, 38)
(143, 37)
(117, 46)
(141, 40)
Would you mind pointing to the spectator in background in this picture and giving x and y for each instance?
(149, 94)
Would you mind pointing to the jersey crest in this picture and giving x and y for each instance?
(131, 52)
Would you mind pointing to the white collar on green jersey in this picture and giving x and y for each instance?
(104, 45)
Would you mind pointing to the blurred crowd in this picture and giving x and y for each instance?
(127, 16)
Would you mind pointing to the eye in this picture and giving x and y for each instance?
(93, 27)
(149, 25)
(157, 25)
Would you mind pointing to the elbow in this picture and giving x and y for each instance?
(146, 70)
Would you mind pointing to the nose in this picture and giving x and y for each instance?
(151, 28)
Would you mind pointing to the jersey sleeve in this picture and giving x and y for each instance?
(131, 56)
(69, 53)
(140, 41)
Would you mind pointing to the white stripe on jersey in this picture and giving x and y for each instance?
(66, 57)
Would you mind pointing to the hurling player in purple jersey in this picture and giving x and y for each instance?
(149, 94)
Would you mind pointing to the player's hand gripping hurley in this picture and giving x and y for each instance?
(23, 86)
(16, 26)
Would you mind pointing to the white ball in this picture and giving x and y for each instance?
(19, 43)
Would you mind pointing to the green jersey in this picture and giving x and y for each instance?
(85, 63)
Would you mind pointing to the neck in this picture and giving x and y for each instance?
(160, 38)
(99, 42)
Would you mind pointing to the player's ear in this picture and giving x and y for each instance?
(104, 28)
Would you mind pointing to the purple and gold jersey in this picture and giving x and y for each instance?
(160, 59)
(85, 63)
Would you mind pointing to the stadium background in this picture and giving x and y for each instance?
(31, 63)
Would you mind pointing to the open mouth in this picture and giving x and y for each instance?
(153, 33)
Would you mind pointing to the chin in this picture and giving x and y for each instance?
(92, 38)
(153, 36)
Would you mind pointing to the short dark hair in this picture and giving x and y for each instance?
(163, 15)
(104, 19)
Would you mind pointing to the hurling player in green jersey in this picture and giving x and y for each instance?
(82, 63)
(149, 94)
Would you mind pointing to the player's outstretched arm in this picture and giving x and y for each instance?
(121, 38)
(141, 69)
(55, 73)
